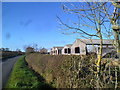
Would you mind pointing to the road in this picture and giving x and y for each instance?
(6, 66)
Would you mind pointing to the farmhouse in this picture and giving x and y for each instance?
(56, 51)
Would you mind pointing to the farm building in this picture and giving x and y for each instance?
(29, 50)
(81, 47)
(66, 49)
(43, 51)
(56, 51)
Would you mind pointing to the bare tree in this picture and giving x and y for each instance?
(35, 46)
(18, 50)
(94, 19)
(90, 22)
(115, 21)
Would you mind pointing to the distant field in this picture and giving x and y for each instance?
(9, 54)
(70, 71)
(23, 77)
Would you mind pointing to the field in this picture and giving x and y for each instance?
(64, 71)
(23, 77)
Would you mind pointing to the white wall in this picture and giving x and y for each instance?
(79, 44)
(56, 53)
(65, 47)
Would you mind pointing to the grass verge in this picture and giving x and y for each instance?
(23, 77)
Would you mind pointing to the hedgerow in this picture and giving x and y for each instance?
(75, 71)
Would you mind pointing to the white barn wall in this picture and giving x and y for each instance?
(56, 51)
(82, 44)
(65, 48)
(79, 44)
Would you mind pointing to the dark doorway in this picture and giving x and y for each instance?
(69, 50)
(65, 51)
(77, 50)
(59, 51)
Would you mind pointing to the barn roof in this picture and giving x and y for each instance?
(96, 41)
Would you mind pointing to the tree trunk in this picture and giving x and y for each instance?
(117, 42)
(99, 62)
(99, 54)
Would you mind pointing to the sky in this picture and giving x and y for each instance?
(32, 23)
(29, 23)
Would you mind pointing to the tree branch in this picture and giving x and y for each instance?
(77, 28)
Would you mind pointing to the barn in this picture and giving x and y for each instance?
(81, 47)
(29, 50)
(67, 49)
(56, 51)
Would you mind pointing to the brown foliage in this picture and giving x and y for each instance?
(70, 71)
(8, 54)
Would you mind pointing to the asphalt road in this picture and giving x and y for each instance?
(6, 66)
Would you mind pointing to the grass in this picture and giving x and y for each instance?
(23, 77)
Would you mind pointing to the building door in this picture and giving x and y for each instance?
(65, 50)
(59, 51)
(77, 50)
(69, 50)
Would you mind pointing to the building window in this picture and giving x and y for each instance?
(69, 50)
(65, 50)
(77, 50)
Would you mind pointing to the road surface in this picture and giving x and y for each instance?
(6, 66)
